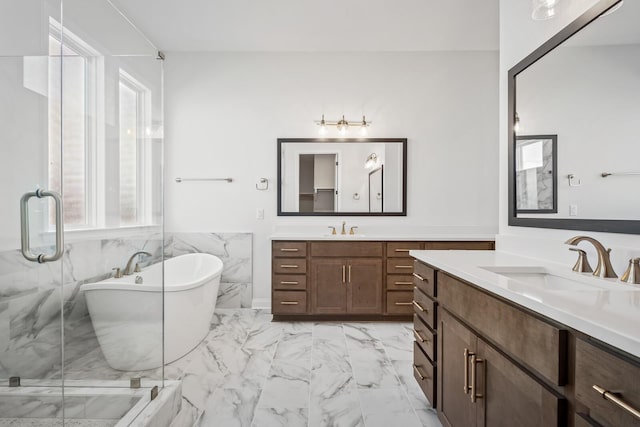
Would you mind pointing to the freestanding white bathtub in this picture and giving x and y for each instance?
(127, 317)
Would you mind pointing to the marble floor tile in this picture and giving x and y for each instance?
(328, 330)
(374, 373)
(338, 410)
(279, 417)
(230, 407)
(287, 385)
(385, 407)
(329, 350)
(294, 346)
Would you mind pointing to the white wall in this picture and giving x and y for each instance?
(519, 36)
(225, 111)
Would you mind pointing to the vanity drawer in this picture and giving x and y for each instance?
(399, 282)
(527, 338)
(289, 302)
(425, 308)
(424, 278)
(468, 246)
(290, 249)
(399, 302)
(425, 337)
(399, 266)
(290, 265)
(600, 368)
(289, 282)
(401, 249)
(346, 249)
(423, 372)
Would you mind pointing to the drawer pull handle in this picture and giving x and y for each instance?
(288, 302)
(419, 307)
(419, 277)
(472, 388)
(403, 303)
(289, 250)
(419, 337)
(288, 266)
(349, 274)
(417, 371)
(289, 283)
(403, 250)
(344, 274)
(404, 283)
(612, 397)
(405, 267)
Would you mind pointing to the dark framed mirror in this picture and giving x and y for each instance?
(536, 160)
(582, 85)
(342, 177)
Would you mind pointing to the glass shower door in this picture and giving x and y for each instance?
(31, 292)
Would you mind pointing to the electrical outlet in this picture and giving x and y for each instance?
(573, 210)
(260, 213)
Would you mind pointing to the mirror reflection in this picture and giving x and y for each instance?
(586, 91)
(536, 173)
(342, 177)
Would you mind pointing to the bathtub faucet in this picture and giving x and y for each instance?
(128, 271)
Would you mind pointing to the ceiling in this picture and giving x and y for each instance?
(316, 26)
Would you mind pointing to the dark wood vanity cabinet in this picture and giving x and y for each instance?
(372, 280)
(499, 364)
(481, 387)
(346, 286)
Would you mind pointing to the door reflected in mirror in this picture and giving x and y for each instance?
(342, 176)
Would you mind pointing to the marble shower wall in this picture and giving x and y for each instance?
(32, 298)
(235, 251)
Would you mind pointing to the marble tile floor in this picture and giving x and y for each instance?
(250, 371)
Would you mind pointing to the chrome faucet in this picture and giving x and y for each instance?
(128, 271)
(604, 268)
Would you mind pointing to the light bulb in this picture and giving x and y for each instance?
(343, 130)
(323, 126)
(363, 130)
(516, 124)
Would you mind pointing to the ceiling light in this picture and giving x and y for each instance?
(543, 9)
(613, 9)
(342, 125)
(371, 161)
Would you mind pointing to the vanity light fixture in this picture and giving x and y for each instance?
(516, 124)
(543, 9)
(372, 161)
(343, 125)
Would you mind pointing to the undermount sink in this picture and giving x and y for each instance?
(542, 279)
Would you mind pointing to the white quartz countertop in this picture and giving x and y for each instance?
(611, 315)
(449, 237)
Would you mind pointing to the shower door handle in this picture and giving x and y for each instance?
(24, 227)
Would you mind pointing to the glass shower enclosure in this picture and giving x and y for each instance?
(81, 142)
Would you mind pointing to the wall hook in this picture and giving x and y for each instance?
(573, 181)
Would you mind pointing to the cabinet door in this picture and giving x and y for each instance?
(364, 278)
(509, 396)
(328, 286)
(454, 403)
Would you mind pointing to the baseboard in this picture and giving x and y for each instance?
(261, 303)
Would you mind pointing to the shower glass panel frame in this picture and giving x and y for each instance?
(62, 127)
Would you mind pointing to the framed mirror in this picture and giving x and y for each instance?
(581, 87)
(345, 177)
(536, 159)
